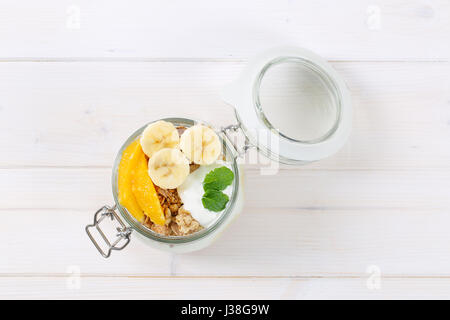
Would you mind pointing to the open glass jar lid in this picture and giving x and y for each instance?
(292, 105)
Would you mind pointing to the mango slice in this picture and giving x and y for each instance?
(145, 193)
(127, 166)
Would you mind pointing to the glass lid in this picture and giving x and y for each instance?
(292, 105)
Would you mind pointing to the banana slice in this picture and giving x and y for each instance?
(200, 144)
(159, 135)
(168, 168)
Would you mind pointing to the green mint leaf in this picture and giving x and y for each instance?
(218, 179)
(214, 200)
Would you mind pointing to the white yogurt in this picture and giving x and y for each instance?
(191, 193)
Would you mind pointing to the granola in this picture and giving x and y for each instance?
(186, 223)
(179, 221)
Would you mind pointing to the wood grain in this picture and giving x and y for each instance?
(352, 29)
(138, 288)
(77, 77)
(263, 242)
(79, 114)
(90, 188)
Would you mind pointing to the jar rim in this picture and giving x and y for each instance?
(150, 234)
(317, 71)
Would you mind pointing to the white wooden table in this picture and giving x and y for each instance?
(77, 77)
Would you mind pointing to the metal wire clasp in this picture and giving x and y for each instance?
(241, 150)
(123, 231)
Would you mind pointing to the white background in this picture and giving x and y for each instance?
(77, 77)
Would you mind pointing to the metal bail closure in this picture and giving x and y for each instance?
(123, 232)
(241, 147)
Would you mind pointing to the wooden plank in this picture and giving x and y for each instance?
(262, 242)
(78, 114)
(149, 288)
(233, 29)
(90, 188)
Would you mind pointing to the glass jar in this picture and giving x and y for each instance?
(310, 120)
(282, 97)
